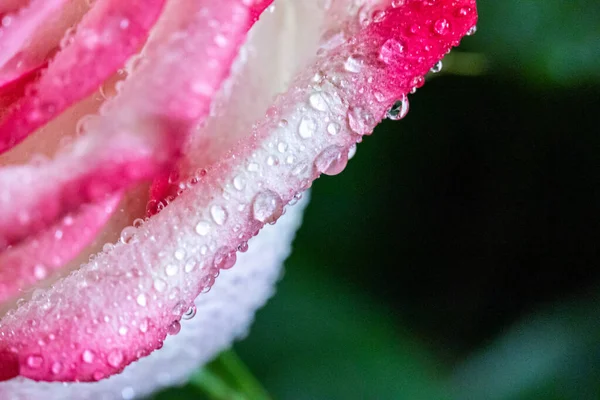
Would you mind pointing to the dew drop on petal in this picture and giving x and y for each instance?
(34, 361)
(267, 207)
(399, 110)
(332, 160)
(441, 26)
(88, 356)
(360, 120)
(243, 247)
(174, 328)
(224, 259)
(115, 358)
(203, 228)
(141, 300)
(352, 151)
(218, 214)
(56, 368)
(333, 128)
(307, 127)
(437, 67)
(171, 269)
(127, 234)
(317, 101)
(239, 182)
(159, 285)
(190, 313)
(354, 64)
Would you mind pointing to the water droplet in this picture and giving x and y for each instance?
(190, 313)
(224, 258)
(282, 147)
(40, 272)
(179, 254)
(141, 300)
(272, 161)
(352, 151)
(378, 15)
(127, 234)
(267, 207)
(87, 356)
(174, 328)
(333, 128)
(317, 101)
(441, 26)
(123, 331)
(56, 368)
(34, 361)
(253, 167)
(332, 160)
(399, 110)
(472, 31)
(218, 214)
(239, 182)
(398, 3)
(203, 228)
(243, 247)
(354, 64)
(360, 120)
(171, 269)
(159, 285)
(115, 358)
(437, 67)
(307, 127)
(189, 266)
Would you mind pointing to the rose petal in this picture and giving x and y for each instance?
(18, 30)
(107, 36)
(31, 32)
(35, 259)
(223, 314)
(140, 131)
(178, 252)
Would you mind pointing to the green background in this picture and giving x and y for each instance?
(457, 255)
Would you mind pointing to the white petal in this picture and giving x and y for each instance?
(223, 314)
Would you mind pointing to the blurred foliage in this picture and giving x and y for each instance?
(545, 42)
(457, 256)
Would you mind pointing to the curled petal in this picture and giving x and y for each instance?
(106, 37)
(30, 32)
(222, 315)
(140, 132)
(35, 259)
(308, 131)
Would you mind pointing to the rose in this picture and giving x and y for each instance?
(225, 156)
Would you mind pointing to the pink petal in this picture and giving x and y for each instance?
(107, 36)
(327, 109)
(15, 35)
(140, 132)
(258, 7)
(223, 314)
(35, 259)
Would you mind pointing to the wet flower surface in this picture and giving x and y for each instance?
(144, 150)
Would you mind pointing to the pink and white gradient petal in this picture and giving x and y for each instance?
(222, 315)
(338, 96)
(110, 33)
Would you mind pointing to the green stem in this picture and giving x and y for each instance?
(228, 378)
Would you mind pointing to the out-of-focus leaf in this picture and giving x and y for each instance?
(544, 40)
(319, 339)
(553, 354)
